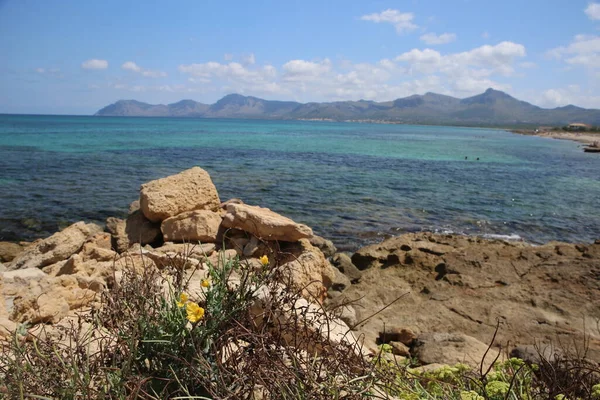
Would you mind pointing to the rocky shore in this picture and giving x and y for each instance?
(437, 299)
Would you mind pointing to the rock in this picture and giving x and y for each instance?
(116, 227)
(57, 247)
(189, 190)
(92, 252)
(402, 335)
(340, 281)
(24, 274)
(48, 300)
(134, 206)
(135, 229)
(303, 324)
(326, 246)
(540, 294)
(347, 314)
(252, 247)
(533, 354)
(305, 268)
(9, 250)
(400, 349)
(7, 328)
(451, 348)
(197, 251)
(264, 223)
(3, 267)
(141, 230)
(101, 240)
(192, 226)
(344, 264)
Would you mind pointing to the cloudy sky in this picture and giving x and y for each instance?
(76, 56)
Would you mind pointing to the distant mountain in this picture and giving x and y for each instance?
(491, 108)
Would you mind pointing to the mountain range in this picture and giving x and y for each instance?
(491, 108)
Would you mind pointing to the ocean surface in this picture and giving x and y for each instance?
(353, 183)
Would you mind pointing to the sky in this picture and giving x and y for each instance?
(77, 56)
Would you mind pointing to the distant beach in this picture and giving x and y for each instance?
(586, 138)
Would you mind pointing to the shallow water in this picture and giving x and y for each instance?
(353, 183)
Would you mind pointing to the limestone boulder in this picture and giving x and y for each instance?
(48, 300)
(9, 250)
(264, 223)
(325, 245)
(140, 229)
(452, 348)
(192, 226)
(57, 247)
(135, 229)
(7, 328)
(189, 190)
(344, 264)
(305, 268)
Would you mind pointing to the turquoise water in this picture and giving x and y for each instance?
(353, 183)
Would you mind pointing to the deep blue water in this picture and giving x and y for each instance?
(353, 183)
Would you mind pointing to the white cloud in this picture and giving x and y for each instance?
(433, 39)
(133, 67)
(305, 70)
(249, 59)
(584, 50)
(227, 56)
(94, 64)
(593, 11)
(53, 72)
(571, 94)
(402, 21)
(527, 64)
(418, 71)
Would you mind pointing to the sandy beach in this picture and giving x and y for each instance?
(587, 138)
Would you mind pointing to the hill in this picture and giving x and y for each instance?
(491, 108)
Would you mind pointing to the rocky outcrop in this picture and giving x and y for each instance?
(460, 285)
(189, 190)
(192, 226)
(305, 268)
(57, 247)
(9, 250)
(264, 223)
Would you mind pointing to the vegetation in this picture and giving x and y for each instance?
(239, 333)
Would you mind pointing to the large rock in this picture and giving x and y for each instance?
(458, 284)
(192, 226)
(264, 223)
(305, 268)
(57, 247)
(9, 250)
(135, 229)
(452, 348)
(189, 190)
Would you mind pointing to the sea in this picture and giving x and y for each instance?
(353, 183)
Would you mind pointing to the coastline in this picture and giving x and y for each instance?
(586, 138)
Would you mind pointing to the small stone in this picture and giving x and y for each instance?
(400, 349)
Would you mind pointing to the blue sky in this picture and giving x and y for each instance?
(74, 57)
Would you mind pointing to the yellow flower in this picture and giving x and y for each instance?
(264, 260)
(205, 283)
(194, 312)
(183, 298)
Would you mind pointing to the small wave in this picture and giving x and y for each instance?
(512, 237)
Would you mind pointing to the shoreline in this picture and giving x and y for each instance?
(586, 138)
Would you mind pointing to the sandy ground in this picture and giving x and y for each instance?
(585, 138)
